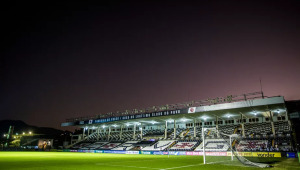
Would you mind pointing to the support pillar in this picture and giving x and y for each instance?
(287, 118)
(272, 123)
(88, 131)
(83, 133)
(194, 124)
(174, 129)
(134, 129)
(243, 129)
(166, 130)
(108, 135)
(243, 126)
(121, 131)
(217, 126)
(98, 133)
(141, 131)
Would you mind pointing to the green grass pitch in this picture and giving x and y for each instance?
(88, 161)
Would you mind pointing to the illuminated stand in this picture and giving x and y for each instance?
(226, 141)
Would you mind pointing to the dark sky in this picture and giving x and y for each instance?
(70, 59)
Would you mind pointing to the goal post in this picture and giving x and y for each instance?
(218, 147)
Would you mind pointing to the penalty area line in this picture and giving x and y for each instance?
(182, 166)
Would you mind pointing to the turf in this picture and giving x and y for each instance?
(87, 161)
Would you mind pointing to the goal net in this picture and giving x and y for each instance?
(221, 148)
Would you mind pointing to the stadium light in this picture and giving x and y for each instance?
(170, 121)
(4, 135)
(23, 133)
(17, 134)
(183, 119)
(30, 132)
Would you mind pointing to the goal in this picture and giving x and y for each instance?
(221, 148)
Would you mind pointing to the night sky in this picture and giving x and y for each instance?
(70, 59)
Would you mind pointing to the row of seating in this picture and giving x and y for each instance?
(211, 145)
(282, 129)
(214, 145)
(185, 145)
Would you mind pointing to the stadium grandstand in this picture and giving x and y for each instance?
(262, 122)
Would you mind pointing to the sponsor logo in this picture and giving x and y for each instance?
(173, 153)
(192, 110)
(160, 153)
(132, 152)
(119, 152)
(266, 154)
(146, 152)
(291, 155)
(194, 153)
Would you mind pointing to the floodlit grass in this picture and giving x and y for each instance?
(88, 161)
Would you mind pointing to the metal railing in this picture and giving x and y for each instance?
(197, 103)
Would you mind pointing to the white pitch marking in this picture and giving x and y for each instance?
(182, 166)
(127, 166)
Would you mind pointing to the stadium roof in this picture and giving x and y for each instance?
(248, 108)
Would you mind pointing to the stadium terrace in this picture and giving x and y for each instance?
(239, 125)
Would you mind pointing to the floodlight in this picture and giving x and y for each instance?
(183, 119)
(23, 133)
(29, 133)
